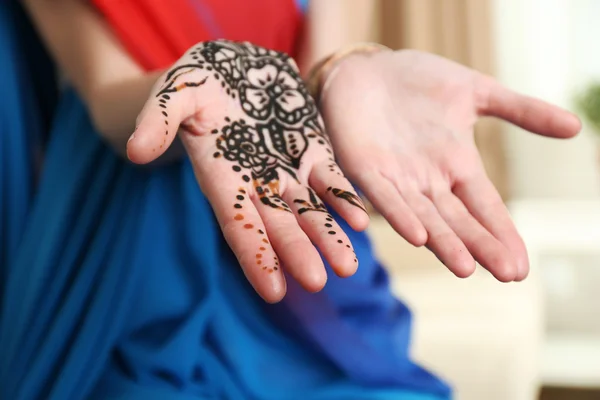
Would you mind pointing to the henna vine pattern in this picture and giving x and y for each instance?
(284, 120)
(169, 87)
(348, 196)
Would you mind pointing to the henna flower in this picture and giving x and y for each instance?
(242, 144)
(271, 88)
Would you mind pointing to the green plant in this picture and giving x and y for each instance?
(588, 103)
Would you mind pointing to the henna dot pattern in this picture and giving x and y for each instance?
(170, 86)
(333, 167)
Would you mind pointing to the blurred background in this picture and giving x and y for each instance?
(539, 339)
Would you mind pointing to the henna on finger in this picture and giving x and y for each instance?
(169, 87)
(313, 204)
(350, 197)
(266, 265)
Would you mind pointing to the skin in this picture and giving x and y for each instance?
(400, 123)
(107, 79)
(408, 143)
(273, 220)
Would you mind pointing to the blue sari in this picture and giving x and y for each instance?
(117, 283)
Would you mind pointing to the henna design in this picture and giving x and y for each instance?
(314, 204)
(269, 196)
(225, 59)
(260, 259)
(240, 197)
(272, 90)
(262, 149)
(283, 121)
(348, 196)
(333, 168)
(169, 87)
(172, 77)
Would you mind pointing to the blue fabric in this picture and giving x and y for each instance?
(118, 284)
(25, 106)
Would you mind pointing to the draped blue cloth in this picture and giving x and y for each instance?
(117, 283)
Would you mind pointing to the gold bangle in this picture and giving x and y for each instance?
(315, 82)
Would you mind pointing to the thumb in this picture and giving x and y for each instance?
(529, 113)
(170, 103)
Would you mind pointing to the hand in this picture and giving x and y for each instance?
(257, 145)
(401, 124)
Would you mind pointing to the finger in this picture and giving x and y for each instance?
(483, 246)
(171, 102)
(329, 182)
(298, 255)
(386, 198)
(248, 237)
(483, 202)
(442, 240)
(240, 222)
(322, 229)
(529, 113)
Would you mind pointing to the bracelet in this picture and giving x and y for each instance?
(315, 77)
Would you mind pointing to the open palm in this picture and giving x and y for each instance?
(257, 145)
(401, 124)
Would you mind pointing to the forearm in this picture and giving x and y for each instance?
(109, 81)
(115, 108)
(333, 24)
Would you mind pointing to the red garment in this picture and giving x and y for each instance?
(157, 32)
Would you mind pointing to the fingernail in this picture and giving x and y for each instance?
(131, 137)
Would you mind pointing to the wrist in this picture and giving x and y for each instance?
(321, 74)
(114, 106)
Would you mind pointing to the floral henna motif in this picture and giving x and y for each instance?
(271, 90)
(263, 149)
(282, 120)
(224, 58)
(242, 144)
